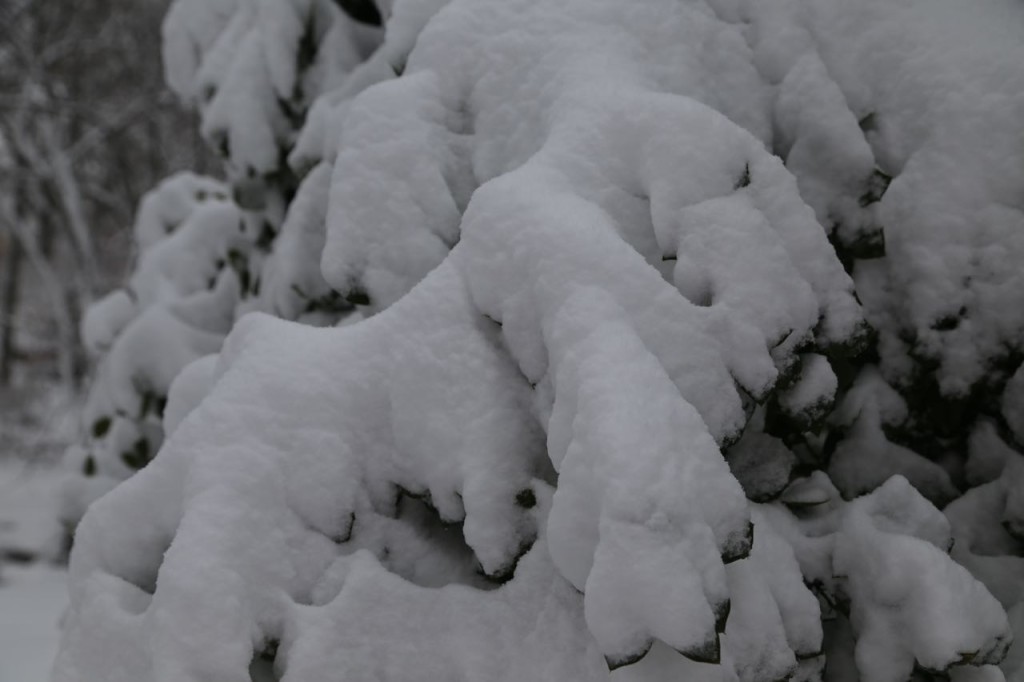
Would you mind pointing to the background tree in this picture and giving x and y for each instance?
(86, 126)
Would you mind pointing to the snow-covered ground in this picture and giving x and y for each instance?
(32, 595)
(31, 602)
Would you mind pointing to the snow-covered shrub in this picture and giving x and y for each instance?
(648, 387)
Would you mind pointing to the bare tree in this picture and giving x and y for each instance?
(86, 126)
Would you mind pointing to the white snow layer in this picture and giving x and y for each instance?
(587, 267)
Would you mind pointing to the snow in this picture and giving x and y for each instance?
(183, 263)
(33, 596)
(813, 393)
(105, 319)
(292, 283)
(626, 489)
(240, 62)
(187, 390)
(943, 616)
(177, 306)
(31, 603)
(985, 523)
(28, 508)
(190, 28)
(164, 208)
(907, 602)
(585, 272)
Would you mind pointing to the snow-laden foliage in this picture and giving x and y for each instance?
(654, 292)
(176, 308)
(209, 252)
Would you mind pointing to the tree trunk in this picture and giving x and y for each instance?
(10, 280)
(70, 196)
(26, 230)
